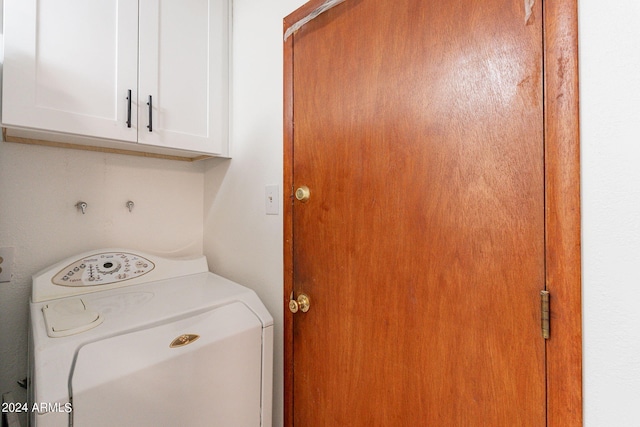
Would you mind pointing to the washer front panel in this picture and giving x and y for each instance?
(102, 269)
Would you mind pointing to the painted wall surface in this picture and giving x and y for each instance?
(240, 241)
(610, 125)
(39, 187)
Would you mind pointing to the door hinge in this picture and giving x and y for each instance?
(545, 314)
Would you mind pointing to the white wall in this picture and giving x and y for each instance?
(39, 187)
(610, 125)
(241, 241)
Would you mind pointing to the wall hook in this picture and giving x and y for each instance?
(82, 206)
(130, 205)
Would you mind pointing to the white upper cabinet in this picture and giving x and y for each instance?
(69, 64)
(153, 72)
(181, 43)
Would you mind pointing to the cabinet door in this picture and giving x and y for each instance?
(184, 68)
(69, 65)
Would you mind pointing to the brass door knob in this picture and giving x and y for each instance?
(293, 306)
(303, 193)
(302, 303)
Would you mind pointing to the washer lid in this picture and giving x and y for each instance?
(139, 378)
(69, 317)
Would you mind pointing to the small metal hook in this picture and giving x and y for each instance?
(82, 206)
(130, 205)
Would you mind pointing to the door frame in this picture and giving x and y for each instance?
(562, 211)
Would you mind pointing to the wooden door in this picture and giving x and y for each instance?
(418, 128)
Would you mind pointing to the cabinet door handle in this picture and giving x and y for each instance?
(129, 109)
(150, 104)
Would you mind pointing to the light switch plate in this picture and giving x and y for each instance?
(272, 202)
(6, 264)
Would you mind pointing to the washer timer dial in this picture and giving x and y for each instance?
(102, 269)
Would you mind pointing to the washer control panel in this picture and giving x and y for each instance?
(102, 269)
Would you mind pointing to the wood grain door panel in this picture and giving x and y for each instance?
(419, 129)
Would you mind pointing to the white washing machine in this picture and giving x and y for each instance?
(123, 338)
